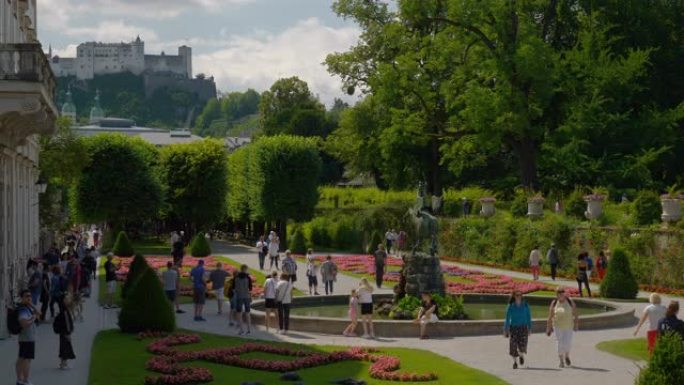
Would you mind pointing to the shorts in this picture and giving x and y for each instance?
(199, 295)
(219, 294)
(313, 280)
(270, 303)
(651, 337)
(27, 350)
(242, 305)
(367, 308)
(233, 303)
(293, 277)
(111, 287)
(171, 295)
(433, 319)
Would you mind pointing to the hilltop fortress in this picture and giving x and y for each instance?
(94, 58)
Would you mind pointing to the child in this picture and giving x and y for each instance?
(353, 305)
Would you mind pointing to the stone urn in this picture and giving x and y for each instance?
(488, 208)
(535, 207)
(594, 206)
(672, 207)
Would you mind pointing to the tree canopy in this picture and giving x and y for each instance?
(288, 107)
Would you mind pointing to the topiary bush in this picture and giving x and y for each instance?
(136, 268)
(122, 246)
(346, 236)
(320, 233)
(297, 242)
(200, 246)
(519, 204)
(666, 366)
(619, 281)
(146, 307)
(646, 208)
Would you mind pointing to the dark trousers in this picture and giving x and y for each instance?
(66, 351)
(44, 302)
(554, 267)
(274, 260)
(379, 272)
(283, 316)
(583, 279)
(328, 285)
(60, 305)
(262, 259)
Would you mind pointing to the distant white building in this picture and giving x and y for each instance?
(95, 58)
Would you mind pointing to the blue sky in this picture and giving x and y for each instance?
(242, 43)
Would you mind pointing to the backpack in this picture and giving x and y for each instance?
(13, 324)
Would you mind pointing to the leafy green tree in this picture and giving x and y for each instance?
(288, 107)
(117, 184)
(239, 174)
(666, 366)
(283, 180)
(195, 177)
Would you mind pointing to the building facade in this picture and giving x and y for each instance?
(27, 109)
(94, 58)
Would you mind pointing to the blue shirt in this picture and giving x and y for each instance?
(197, 275)
(518, 316)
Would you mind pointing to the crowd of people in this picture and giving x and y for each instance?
(61, 277)
(585, 266)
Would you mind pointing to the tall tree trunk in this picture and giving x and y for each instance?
(434, 182)
(281, 230)
(526, 150)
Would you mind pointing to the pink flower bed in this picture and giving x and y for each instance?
(167, 361)
(159, 263)
(482, 283)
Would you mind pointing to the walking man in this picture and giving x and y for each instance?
(110, 279)
(243, 299)
(28, 316)
(170, 280)
(218, 280)
(290, 266)
(328, 274)
(380, 263)
(199, 289)
(553, 259)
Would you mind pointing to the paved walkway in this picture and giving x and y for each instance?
(487, 353)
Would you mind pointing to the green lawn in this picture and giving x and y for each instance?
(120, 359)
(151, 246)
(632, 349)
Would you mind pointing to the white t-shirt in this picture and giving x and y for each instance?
(170, 277)
(284, 292)
(365, 295)
(310, 257)
(655, 314)
(270, 288)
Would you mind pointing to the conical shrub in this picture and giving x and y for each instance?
(297, 242)
(375, 240)
(146, 307)
(619, 281)
(122, 246)
(666, 366)
(136, 268)
(200, 246)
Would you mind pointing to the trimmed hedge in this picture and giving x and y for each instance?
(619, 281)
(146, 308)
(666, 366)
(136, 268)
(200, 246)
(374, 241)
(297, 242)
(122, 246)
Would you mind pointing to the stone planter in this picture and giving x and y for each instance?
(535, 207)
(672, 208)
(488, 208)
(594, 206)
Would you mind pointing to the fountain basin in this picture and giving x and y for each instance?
(594, 314)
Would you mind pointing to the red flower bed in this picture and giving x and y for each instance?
(167, 361)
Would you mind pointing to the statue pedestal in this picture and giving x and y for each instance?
(423, 274)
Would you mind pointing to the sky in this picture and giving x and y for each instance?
(242, 43)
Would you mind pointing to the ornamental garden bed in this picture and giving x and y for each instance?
(158, 263)
(194, 358)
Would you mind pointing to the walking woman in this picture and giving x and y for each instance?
(563, 321)
(601, 265)
(654, 313)
(518, 327)
(582, 275)
(283, 301)
(64, 326)
(365, 293)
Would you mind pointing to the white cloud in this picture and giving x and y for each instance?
(111, 31)
(57, 14)
(257, 62)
